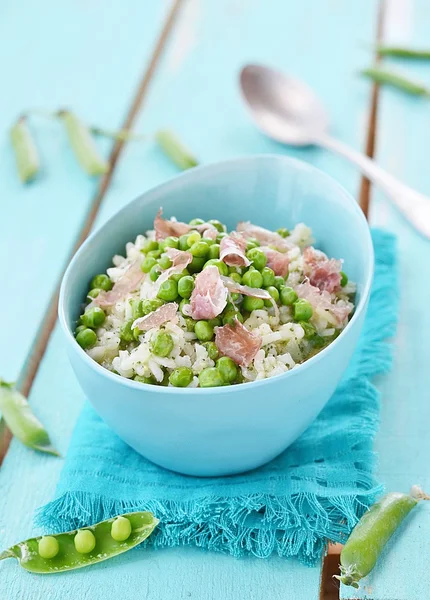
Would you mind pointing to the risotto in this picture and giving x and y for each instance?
(193, 305)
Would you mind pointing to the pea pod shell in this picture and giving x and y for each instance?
(370, 535)
(175, 150)
(26, 154)
(68, 558)
(396, 80)
(400, 52)
(21, 420)
(83, 145)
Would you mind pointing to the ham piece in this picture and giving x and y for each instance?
(237, 342)
(209, 296)
(246, 290)
(129, 282)
(322, 300)
(180, 261)
(323, 273)
(232, 250)
(165, 228)
(277, 261)
(264, 236)
(163, 314)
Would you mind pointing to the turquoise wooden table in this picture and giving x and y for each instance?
(151, 64)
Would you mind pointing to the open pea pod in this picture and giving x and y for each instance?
(62, 547)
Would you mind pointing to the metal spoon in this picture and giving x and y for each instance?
(287, 110)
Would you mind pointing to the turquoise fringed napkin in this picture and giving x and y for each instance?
(316, 490)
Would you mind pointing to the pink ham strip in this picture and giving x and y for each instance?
(129, 282)
(209, 296)
(232, 250)
(163, 314)
(321, 299)
(165, 228)
(180, 261)
(264, 236)
(323, 273)
(246, 290)
(277, 261)
(237, 342)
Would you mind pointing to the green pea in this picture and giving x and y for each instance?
(216, 322)
(251, 304)
(343, 279)
(79, 328)
(147, 263)
(250, 244)
(230, 315)
(154, 273)
(102, 281)
(222, 267)
(94, 317)
(319, 342)
(148, 380)
(279, 282)
(168, 290)
(182, 304)
(210, 377)
(308, 328)
(302, 310)
(126, 332)
(234, 296)
(283, 232)
(208, 241)
(48, 546)
(268, 277)
(195, 222)
(86, 338)
(94, 293)
(185, 286)
(228, 369)
(203, 331)
(220, 236)
(181, 377)
(136, 333)
(218, 225)
(84, 541)
(165, 262)
(162, 344)
(149, 245)
(199, 249)
(212, 350)
(274, 293)
(196, 265)
(253, 279)
(288, 296)
(193, 238)
(177, 276)
(171, 242)
(121, 529)
(257, 257)
(183, 242)
(148, 306)
(189, 323)
(136, 308)
(236, 277)
(155, 253)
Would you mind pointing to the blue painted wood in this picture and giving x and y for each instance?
(403, 443)
(89, 56)
(196, 94)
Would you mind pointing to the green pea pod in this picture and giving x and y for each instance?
(175, 150)
(400, 52)
(71, 550)
(372, 532)
(21, 421)
(26, 155)
(83, 145)
(396, 80)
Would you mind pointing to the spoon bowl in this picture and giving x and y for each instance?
(283, 108)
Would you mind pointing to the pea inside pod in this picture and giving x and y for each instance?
(72, 550)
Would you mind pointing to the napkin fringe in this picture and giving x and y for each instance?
(299, 524)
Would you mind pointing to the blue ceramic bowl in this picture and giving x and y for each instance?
(220, 431)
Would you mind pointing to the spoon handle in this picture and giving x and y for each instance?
(415, 207)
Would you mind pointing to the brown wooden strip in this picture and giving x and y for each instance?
(38, 349)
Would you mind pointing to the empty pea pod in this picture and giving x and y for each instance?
(83, 547)
(175, 150)
(400, 52)
(372, 532)
(21, 421)
(26, 155)
(83, 145)
(396, 80)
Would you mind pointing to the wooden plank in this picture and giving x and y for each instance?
(87, 56)
(403, 442)
(196, 94)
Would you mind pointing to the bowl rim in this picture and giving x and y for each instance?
(171, 184)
